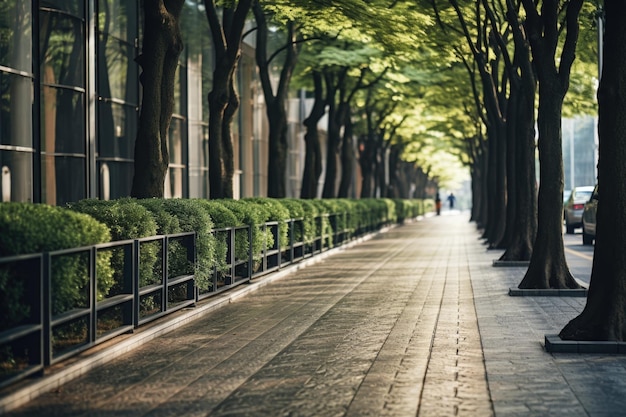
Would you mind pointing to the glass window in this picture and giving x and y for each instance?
(117, 128)
(63, 179)
(16, 176)
(62, 49)
(198, 160)
(118, 96)
(62, 120)
(16, 35)
(198, 64)
(76, 8)
(115, 179)
(117, 70)
(174, 182)
(16, 101)
(175, 138)
(118, 18)
(62, 101)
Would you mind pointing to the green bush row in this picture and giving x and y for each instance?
(31, 228)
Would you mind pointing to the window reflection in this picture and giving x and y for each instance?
(62, 102)
(16, 101)
(16, 35)
(63, 179)
(62, 49)
(16, 170)
(199, 66)
(118, 95)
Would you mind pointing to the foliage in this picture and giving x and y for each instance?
(192, 217)
(307, 211)
(276, 212)
(224, 218)
(177, 258)
(322, 222)
(254, 215)
(126, 219)
(33, 228)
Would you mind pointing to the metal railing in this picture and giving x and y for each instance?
(118, 286)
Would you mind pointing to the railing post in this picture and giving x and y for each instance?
(231, 253)
(135, 278)
(93, 296)
(47, 309)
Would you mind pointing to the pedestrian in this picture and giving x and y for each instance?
(438, 204)
(451, 200)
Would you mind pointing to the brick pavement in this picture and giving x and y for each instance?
(415, 321)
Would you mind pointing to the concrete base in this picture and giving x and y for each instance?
(516, 292)
(555, 344)
(510, 263)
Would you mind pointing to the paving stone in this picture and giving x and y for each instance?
(416, 321)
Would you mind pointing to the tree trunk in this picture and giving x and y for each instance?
(524, 196)
(218, 100)
(336, 112)
(367, 149)
(603, 317)
(162, 45)
(347, 157)
(548, 266)
(223, 101)
(520, 247)
(477, 199)
(228, 153)
(313, 153)
(511, 169)
(275, 102)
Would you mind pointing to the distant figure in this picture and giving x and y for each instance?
(438, 204)
(451, 199)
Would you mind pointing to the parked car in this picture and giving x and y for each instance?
(574, 206)
(589, 218)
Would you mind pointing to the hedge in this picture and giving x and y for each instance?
(33, 228)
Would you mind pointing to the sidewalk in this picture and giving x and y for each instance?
(415, 321)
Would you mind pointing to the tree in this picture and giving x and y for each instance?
(276, 101)
(488, 55)
(223, 98)
(603, 317)
(313, 152)
(548, 267)
(162, 45)
(521, 227)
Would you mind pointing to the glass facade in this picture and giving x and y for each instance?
(70, 97)
(16, 101)
(61, 74)
(117, 95)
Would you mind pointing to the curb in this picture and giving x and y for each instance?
(554, 344)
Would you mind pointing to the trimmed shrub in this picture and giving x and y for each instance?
(324, 227)
(224, 218)
(254, 215)
(276, 212)
(310, 212)
(296, 211)
(126, 219)
(193, 217)
(33, 228)
(167, 224)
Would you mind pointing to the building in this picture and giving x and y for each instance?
(70, 98)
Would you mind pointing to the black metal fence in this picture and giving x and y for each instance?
(73, 299)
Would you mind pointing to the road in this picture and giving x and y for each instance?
(579, 257)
